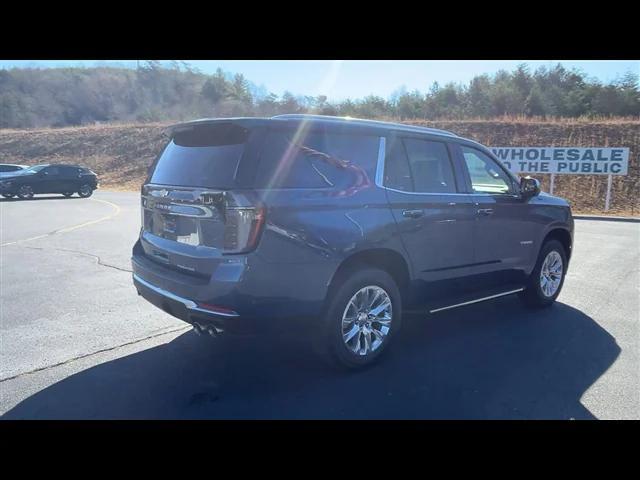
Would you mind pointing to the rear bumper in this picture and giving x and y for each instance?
(185, 309)
(252, 295)
(191, 306)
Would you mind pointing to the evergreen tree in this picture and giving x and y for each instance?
(155, 91)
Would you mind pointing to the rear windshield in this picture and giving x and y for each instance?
(202, 156)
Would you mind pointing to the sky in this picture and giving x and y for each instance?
(339, 79)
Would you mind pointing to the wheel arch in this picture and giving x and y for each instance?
(563, 236)
(386, 259)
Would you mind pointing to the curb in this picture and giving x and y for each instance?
(607, 218)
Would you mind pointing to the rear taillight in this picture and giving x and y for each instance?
(243, 227)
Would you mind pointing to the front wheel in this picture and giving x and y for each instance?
(362, 316)
(547, 278)
(85, 190)
(25, 192)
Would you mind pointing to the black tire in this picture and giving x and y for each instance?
(85, 190)
(25, 192)
(329, 341)
(68, 194)
(533, 295)
(8, 195)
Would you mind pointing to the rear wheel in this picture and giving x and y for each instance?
(67, 194)
(362, 316)
(85, 190)
(547, 277)
(25, 192)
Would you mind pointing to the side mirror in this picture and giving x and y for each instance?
(529, 187)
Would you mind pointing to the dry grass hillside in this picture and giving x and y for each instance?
(120, 154)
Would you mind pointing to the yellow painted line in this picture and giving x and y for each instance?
(73, 227)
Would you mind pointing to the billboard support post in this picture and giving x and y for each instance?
(607, 199)
(553, 182)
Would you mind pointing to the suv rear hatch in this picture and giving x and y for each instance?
(194, 209)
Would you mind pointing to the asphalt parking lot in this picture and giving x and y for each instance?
(77, 342)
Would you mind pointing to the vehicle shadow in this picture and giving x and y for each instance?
(487, 361)
(56, 197)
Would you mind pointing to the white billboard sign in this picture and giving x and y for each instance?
(564, 160)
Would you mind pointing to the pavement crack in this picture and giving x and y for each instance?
(79, 357)
(98, 259)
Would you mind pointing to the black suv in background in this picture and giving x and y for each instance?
(339, 225)
(64, 179)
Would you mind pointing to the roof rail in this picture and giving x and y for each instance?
(372, 123)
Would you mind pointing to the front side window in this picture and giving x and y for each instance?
(420, 166)
(486, 175)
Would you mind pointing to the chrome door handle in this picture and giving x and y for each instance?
(412, 213)
(485, 211)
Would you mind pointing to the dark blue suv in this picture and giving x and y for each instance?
(339, 225)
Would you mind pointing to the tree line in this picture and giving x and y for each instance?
(155, 92)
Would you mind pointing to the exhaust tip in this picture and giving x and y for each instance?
(214, 331)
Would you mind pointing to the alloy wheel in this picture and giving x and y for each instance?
(366, 320)
(551, 274)
(25, 191)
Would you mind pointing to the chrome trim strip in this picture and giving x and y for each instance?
(190, 304)
(209, 312)
(502, 195)
(476, 301)
(186, 302)
(174, 208)
(382, 148)
(426, 193)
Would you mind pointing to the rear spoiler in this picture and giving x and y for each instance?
(242, 121)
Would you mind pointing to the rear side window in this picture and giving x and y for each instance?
(421, 166)
(202, 156)
(316, 159)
